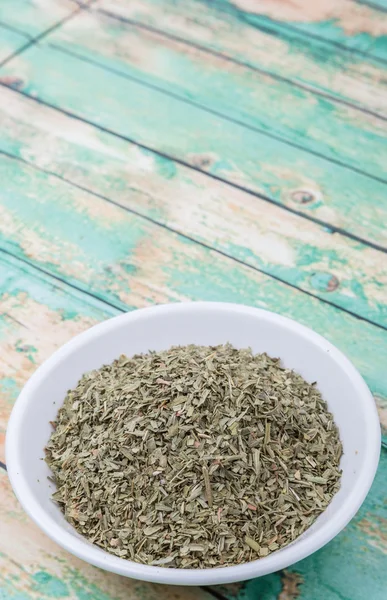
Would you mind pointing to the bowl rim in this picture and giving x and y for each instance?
(210, 576)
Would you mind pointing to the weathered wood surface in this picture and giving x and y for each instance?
(381, 4)
(310, 122)
(33, 17)
(336, 269)
(10, 41)
(37, 315)
(346, 24)
(285, 53)
(226, 150)
(131, 190)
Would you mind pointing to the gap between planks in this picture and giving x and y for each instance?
(373, 5)
(332, 228)
(214, 592)
(247, 65)
(15, 30)
(34, 40)
(63, 280)
(283, 139)
(306, 34)
(177, 232)
(208, 50)
(216, 113)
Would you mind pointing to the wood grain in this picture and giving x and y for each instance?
(10, 42)
(377, 4)
(130, 262)
(35, 16)
(229, 90)
(301, 253)
(229, 151)
(37, 315)
(353, 26)
(285, 52)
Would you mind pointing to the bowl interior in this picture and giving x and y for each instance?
(208, 324)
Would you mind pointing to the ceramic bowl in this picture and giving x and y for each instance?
(204, 323)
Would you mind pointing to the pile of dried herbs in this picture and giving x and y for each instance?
(194, 457)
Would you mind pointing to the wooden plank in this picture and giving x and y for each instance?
(37, 315)
(349, 25)
(35, 16)
(10, 41)
(286, 53)
(304, 254)
(228, 151)
(340, 133)
(131, 262)
(356, 26)
(378, 4)
(350, 567)
(32, 567)
(353, 25)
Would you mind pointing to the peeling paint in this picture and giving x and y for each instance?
(351, 18)
(376, 530)
(241, 225)
(291, 583)
(50, 586)
(267, 44)
(244, 154)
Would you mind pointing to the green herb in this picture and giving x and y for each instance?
(194, 457)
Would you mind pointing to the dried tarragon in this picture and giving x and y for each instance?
(194, 457)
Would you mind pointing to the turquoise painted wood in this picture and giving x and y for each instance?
(309, 122)
(32, 306)
(226, 150)
(10, 41)
(93, 223)
(33, 17)
(357, 27)
(382, 4)
(284, 52)
(346, 24)
(332, 267)
(379, 3)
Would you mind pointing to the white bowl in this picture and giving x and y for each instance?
(203, 323)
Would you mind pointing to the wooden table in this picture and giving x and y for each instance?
(155, 151)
